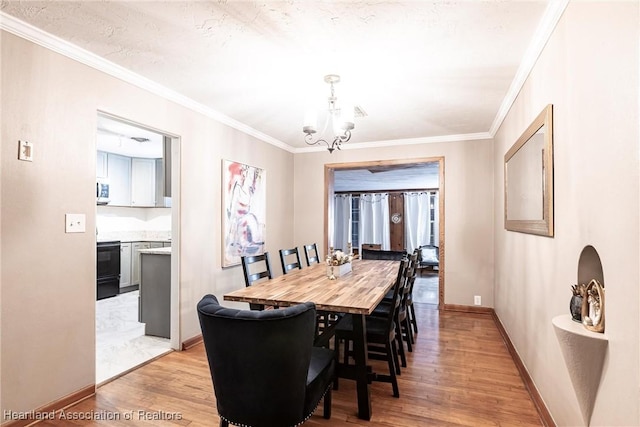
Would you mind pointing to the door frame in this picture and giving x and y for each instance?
(329, 181)
(176, 142)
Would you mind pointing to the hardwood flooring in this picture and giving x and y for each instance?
(459, 374)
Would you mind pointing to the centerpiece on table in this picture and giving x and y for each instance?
(338, 263)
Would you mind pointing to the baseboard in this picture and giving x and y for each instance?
(468, 309)
(544, 413)
(51, 408)
(193, 341)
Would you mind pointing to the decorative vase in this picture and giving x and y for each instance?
(575, 306)
(338, 270)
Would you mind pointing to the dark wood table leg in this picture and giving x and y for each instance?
(362, 376)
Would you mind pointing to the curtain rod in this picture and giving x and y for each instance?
(415, 190)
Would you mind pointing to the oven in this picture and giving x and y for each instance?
(108, 269)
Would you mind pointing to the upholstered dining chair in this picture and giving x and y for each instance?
(311, 254)
(255, 268)
(290, 259)
(264, 367)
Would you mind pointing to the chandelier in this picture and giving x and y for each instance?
(339, 121)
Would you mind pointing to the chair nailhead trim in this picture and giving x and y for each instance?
(295, 425)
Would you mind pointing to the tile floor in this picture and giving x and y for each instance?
(120, 340)
(425, 288)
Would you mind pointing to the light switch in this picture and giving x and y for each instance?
(25, 151)
(75, 223)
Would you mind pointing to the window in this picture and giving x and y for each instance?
(355, 221)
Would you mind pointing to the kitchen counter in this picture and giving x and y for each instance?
(157, 251)
(135, 236)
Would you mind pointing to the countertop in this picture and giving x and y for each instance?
(134, 236)
(157, 251)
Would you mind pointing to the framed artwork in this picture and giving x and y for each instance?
(245, 205)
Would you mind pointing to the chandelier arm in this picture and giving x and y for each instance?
(308, 138)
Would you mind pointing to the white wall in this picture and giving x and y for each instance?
(468, 185)
(589, 72)
(48, 277)
(113, 219)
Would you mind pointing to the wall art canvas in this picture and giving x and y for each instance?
(245, 206)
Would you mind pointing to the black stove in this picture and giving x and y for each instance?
(108, 269)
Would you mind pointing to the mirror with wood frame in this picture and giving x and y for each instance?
(528, 179)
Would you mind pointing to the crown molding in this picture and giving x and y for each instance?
(49, 41)
(550, 19)
(398, 142)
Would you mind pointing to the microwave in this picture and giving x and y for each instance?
(102, 191)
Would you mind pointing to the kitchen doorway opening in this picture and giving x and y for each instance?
(137, 200)
(391, 184)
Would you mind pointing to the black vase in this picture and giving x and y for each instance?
(575, 306)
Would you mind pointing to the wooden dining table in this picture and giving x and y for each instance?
(357, 293)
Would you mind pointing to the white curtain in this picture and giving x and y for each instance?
(341, 222)
(436, 222)
(374, 220)
(417, 219)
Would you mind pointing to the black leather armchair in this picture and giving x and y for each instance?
(265, 370)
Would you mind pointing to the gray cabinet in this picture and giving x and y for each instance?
(119, 174)
(101, 164)
(155, 294)
(143, 182)
(133, 181)
(125, 265)
(135, 258)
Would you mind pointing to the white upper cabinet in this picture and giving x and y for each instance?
(143, 182)
(101, 164)
(119, 174)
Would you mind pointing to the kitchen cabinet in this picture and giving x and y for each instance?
(143, 182)
(119, 174)
(133, 181)
(101, 164)
(125, 265)
(155, 294)
(163, 199)
(136, 247)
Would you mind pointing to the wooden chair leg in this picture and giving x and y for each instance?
(403, 357)
(407, 327)
(392, 354)
(413, 318)
(327, 405)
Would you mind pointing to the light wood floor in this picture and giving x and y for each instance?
(460, 374)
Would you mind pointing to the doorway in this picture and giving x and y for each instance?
(375, 172)
(137, 167)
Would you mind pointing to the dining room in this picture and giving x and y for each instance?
(63, 62)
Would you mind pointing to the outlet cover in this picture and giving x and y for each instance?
(25, 151)
(477, 300)
(75, 223)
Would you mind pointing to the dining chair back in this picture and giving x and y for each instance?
(372, 246)
(383, 255)
(264, 367)
(381, 333)
(311, 254)
(251, 275)
(290, 259)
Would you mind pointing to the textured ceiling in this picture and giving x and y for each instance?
(418, 68)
